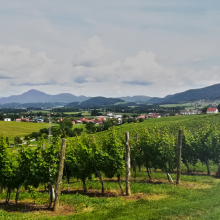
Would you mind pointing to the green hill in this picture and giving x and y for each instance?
(207, 93)
(100, 101)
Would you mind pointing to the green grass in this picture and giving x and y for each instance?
(198, 197)
(12, 129)
(178, 105)
(43, 111)
(120, 103)
(80, 126)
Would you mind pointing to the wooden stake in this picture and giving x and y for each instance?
(60, 175)
(179, 151)
(128, 165)
(136, 138)
(135, 163)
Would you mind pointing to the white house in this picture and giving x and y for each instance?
(7, 119)
(110, 114)
(211, 110)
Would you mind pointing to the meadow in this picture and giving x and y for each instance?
(178, 105)
(11, 129)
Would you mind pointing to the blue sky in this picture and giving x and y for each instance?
(109, 48)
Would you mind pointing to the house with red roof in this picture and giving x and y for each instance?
(211, 110)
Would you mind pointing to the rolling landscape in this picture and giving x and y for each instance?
(95, 178)
(109, 110)
(35, 98)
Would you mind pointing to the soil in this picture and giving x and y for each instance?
(23, 207)
(93, 193)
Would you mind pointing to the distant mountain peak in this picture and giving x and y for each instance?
(34, 96)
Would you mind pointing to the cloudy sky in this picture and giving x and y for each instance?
(109, 48)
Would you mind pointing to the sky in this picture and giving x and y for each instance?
(109, 48)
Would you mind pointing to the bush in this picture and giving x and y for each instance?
(17, 140)
(141, 119)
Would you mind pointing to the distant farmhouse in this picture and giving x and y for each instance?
(7, 119)
(211, 110)
(190, 112)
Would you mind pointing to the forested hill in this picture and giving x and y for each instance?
(137, 98)
(99, 101)
(207, 93)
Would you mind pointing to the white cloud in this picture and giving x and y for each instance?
(94, 73)
(94, 54)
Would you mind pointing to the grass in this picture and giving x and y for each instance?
(80, 126)
(178, 105)
(43, 111)
(12, 129)
(120, 103)
(197, 197)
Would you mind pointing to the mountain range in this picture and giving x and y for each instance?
(35, 96)
(206, 93)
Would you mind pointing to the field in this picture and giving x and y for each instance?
(12, 129)
(178, 105)
(80, 126)
(43, 111)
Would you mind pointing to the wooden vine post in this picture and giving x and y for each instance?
(179, 151)
(128, 165)
(60, 175)
(135, 162)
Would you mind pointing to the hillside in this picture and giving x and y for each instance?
(99, 101)
(207, 93)
(137, 99)
(35, 96)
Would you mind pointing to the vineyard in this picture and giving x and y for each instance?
(97, 161)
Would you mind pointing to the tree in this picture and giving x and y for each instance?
(66, 127)
(91, 128)
(205, 109)
(17, 140)
(125, 116)
(141, 119)
(66, 124)
(77, 131)
(124, 121)
(130, 120)
(218, 107)
(95, 113)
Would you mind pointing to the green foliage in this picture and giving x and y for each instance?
(141, 120)
(104, 152)
(66, 124)
(17, 140)
(95, 112)
(91, 128)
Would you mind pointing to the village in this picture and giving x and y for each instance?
(98, 120)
